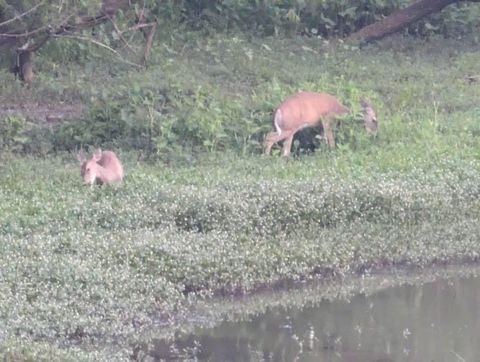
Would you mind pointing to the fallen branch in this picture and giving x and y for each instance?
(400, 19)
(472, 78)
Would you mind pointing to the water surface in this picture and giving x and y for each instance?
(432, 321)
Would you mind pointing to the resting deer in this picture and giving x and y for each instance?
(308, 109)
(104, 167)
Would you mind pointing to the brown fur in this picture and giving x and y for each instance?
(104, 167)
(305, 109)
(309, 109)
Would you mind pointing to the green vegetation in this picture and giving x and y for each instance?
(217, 93)
(103, 266)
(88, 273)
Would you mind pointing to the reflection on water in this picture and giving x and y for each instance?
(437, 321)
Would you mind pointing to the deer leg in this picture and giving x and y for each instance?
(287, 145)
(274, 137)
(328, 132)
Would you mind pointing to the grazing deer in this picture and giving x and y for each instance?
(308, 109)
(104, 167)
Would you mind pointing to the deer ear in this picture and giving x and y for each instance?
(367, 108)
(97, 155)
(364, 103)
(81, 157)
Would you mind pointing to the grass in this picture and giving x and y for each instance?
(217, 93)
(87, 273)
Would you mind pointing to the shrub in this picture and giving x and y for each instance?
(18, 135)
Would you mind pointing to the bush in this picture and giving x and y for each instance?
(164, 122)
(14, 133)
(18, 135)
(103, 126)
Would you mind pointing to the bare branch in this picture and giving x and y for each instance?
(17, 17)
(44, 28)
(148, 46)
(100, 44)
(139, 26)
(120, 34)
(25, 34)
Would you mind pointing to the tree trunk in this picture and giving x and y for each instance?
(25, 65)
(400, 19)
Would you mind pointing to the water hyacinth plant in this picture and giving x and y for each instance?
(98, 266)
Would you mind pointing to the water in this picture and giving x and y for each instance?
(432, 321)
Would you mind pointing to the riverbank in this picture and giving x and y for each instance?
(89, 267)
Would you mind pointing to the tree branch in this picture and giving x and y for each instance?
(148, 46)
(17, 17)
(100, 44)
(26, 34)
(120, 34)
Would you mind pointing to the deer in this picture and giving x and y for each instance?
(369, 117)
(309, 109)
(104, 168)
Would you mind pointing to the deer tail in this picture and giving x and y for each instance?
(277, 120)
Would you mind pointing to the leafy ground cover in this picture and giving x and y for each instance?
(100, 267)
(86, 273)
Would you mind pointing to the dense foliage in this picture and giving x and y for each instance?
(312, 17)
(66, 23)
